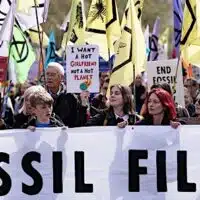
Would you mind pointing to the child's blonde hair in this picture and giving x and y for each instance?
(30, 91)
(40, 98)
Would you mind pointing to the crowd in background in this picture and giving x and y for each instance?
(31, 105)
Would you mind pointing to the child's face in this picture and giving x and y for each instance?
(43, 112)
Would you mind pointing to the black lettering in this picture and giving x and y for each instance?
(57, 172)
(80, 185)
(168, 69)
(135, 170)
(164, 78)
(154, 80)
(6, 180)
(174, 79)
(28, 168)
(168, 80)
(159, 79)
(80, 49)
(158, 70)
(163, 70)
(161, 171)
(183, 185)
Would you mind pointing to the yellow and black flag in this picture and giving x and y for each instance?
(190, 39)
(22, 53)
(33, 34)
(103, 27)
(113, 30)
(190, 28)
(74, 26)
(131, 56)
(138, 6)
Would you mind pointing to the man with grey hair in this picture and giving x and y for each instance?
(71, 111)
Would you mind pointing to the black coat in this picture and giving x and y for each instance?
(69, 109)
(20, 119)
(8, 118)
(108, 118)
(53, 123)
(149, 121)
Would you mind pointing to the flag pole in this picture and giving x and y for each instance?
(5, 92)
(109, 60)
(40, 41)
(11, 36)
(176, 74)
(134, 90)
(40, 58)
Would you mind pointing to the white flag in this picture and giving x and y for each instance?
(65, 24)
(162, 50)
(7, 10)
(146, 36)
(12, 75)
(4, 48)
(27, 21)
(8, 22)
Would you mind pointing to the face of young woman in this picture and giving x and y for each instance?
(155, 106)
(116, 98)
(197, 107)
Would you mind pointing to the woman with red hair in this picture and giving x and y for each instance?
(159, 109)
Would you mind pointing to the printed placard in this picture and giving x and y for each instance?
(165, 71)
(82, 68)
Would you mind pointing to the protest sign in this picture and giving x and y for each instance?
(100, 163)
(82, 68)
(165, 71)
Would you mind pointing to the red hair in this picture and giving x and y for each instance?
(167, 101)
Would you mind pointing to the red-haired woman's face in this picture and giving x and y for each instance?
(116, 98)
(155, 106)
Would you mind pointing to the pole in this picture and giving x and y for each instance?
(176, 74)
(134, 90)
(5, 93)
(109, 60)
(11, 35)
(40, 41)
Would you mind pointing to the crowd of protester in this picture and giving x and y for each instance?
(31, 105)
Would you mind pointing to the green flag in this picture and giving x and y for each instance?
(22, 53)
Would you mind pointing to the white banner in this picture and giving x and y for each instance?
(82, 67)
(97, 163)
(165, 71)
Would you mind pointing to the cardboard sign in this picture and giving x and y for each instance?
(165, 71)
(82, 68)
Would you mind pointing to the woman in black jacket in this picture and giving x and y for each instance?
(120, 111)
(159, 109)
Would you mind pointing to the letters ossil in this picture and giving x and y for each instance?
(134, 172)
